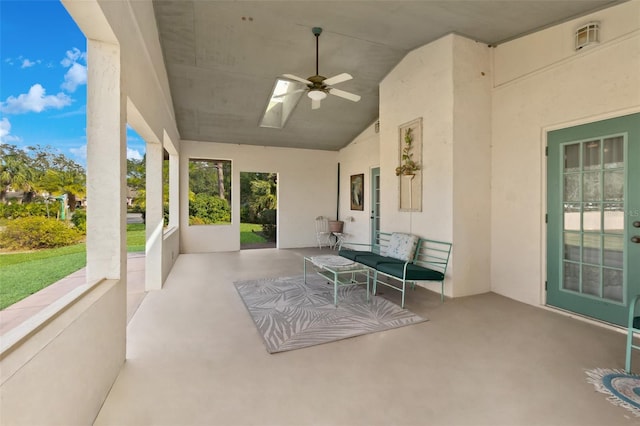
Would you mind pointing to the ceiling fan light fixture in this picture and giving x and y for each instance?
(317, 95)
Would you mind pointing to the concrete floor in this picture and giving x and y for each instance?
(194, 357)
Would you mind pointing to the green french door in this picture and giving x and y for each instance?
(593, 229)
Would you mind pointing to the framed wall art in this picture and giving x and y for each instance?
(357, 192)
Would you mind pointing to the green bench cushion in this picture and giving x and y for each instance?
(373, 260)
(353, 254)
(414, 272)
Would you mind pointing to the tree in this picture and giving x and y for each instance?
(257, 193)
(15, 171)
(36, 169)
(211, 177)
(70, 181)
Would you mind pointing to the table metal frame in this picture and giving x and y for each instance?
(333, 275)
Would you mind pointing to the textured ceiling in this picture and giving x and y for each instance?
(222, 57)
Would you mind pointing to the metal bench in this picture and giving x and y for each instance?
(633, 327)
(428, 262)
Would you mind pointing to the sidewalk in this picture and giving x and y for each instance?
(17, 313)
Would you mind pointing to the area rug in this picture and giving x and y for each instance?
(623, 389)
(290, 314)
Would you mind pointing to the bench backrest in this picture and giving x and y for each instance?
(430, 254)
(433, 254)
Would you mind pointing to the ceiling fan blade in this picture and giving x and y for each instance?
(315, 103)
(296, 78)
(337, 79)
(346, 95)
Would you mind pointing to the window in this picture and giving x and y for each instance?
(209, 192)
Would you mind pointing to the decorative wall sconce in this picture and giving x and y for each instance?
(587, 35)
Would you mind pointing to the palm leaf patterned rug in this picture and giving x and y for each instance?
(290, 314)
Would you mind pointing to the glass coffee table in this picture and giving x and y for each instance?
(339, 271)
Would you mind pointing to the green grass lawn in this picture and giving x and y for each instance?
(22, 274)
(248, 236)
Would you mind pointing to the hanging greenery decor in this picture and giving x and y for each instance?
(408, 166)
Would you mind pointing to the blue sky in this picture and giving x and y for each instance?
(43, 75)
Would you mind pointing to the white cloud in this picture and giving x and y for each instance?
(72, 56)
(77, 73)
(80, 152)
(27, 63)
(76, 76)
(34, 101)
(5, 132)
(5, 127)
(133, 154)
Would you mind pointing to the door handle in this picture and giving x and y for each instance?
(635, 239)
(636, 224)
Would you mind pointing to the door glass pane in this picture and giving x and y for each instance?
(571, 278)
(572, 157)
(614, 185)
(572, 246)
(613, 152)
(613, 249)
(591, 186)
(613, 218)
(593, 194)
(591, 252)
(591, 159)
(591, 280)
(572, 217)
(572, 187)
(612, 280)
(592, 217)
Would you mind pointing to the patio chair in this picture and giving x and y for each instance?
(633, 327)
(322, 232)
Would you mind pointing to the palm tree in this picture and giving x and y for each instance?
(15, 172)
(71, 182)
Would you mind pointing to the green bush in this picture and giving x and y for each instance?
(208, 209)
(268, 220)
(39, 208)
(79, 220)
(36, 233)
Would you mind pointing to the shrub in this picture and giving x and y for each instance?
(36, 233)
(79, 220)
(209, 209)
(15, 210)
(268, 220)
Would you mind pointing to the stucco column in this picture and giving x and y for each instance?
(106, 164)
(153, 217)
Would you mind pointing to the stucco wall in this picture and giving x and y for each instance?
(542, 84)
(471, 166)
(307, 187)
(447, 83)
(421, 85)
(360, 156)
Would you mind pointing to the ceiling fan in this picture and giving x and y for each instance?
(318, 86)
